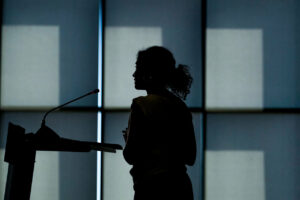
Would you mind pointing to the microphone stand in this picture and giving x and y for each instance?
(58, 107)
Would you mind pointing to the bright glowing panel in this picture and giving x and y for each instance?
(3, 172)
(234, 175)
(30, 66)
(45, 182)
(116, 177)
(99, 155)
(121, 47)
(234, 68)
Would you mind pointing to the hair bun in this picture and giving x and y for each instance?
(181, 81)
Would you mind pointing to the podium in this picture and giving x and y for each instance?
(21, 150)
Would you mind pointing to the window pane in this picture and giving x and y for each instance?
(138, 24)
(49, 52)
(195, 171)
(252, 59)
(232, 82)
(116, 175)
(57, 175)
(252, 156)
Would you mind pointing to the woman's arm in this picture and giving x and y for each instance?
(190, 148)
(134, 143)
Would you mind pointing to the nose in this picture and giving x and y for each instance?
(133, 74)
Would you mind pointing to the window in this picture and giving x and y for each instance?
(245, 99)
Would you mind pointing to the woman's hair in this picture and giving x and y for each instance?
(160, 62)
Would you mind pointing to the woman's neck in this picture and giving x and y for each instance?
(157, 91)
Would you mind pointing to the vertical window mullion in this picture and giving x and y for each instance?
(204, 121)
(100, 97)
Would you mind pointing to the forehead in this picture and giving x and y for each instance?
(142, 58)
(142, 63)
(139, 63)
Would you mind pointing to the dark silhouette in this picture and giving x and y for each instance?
(20, 152)
(160, 138)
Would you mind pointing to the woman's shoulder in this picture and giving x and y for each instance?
(154, 103)
(147, 101)
(152, 100)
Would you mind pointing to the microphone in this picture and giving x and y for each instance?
(58, 107)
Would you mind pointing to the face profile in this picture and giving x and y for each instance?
(153, 67)
(141, 78)
(156, 71)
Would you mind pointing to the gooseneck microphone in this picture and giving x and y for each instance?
(58, 107)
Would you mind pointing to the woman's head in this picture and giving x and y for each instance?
(155, 69)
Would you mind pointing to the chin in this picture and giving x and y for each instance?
(139, 87)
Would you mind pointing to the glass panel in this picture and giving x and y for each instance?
(138, 24)
(252, 156)
(252, 59)
(232, 82)
(30, 72)
(116, 175)
(57, 175)
(195, 171)
(48, 49)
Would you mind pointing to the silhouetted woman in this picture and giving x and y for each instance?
(160, 138)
